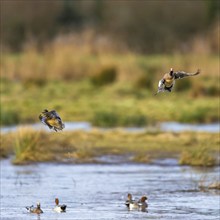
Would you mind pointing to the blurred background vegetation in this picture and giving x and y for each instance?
(100, 61)
(142, 26)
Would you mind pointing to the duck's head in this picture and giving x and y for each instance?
(171, 71)
(45, 110)
(129, 196)
(57, 201)
(143, 198)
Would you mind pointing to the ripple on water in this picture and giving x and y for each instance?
(96, 191)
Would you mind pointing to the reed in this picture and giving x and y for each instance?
(198, 157)
(25, 145)
(30, 146)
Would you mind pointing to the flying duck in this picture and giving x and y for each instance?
(168, 80)
(51, 119)
(33, 209)
(59, 208)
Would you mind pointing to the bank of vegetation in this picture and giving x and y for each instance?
(28, 146)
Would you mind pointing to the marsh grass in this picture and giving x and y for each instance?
(106, 76)
(9, 117)
(118, 104)
(206, 183)
(6, 145)
(86, 147)
(66, 60)
(105, 119)
(107, 89)
(26, 145)
(199, 156)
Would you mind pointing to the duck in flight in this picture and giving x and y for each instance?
(51, 119)
(168, 80)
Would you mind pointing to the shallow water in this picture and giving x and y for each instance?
(95, 191)
(166, 126)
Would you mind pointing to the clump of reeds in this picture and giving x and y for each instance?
(197, 157)
(6, 148)
(25, 145)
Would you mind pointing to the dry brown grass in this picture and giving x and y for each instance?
(84, 147)
(81, 55)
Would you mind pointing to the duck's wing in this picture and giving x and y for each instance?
(182, 74)
(160, 86)
(58, 119)
(42, 118)
(55, 114)
(29, 208)
(127, 202)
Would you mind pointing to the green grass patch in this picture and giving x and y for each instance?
(9, 117)
(106, 76)
(109, 91)
(116, 105)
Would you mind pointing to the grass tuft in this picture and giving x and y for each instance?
(197, 157)
(25, 145)
(82, 147)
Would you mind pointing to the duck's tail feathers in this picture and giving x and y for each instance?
(63, 207)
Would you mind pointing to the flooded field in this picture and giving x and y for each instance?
(98, 191)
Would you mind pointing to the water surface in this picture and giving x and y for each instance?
(166, 126)
(97, 191)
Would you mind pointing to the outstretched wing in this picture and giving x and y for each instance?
(182, 74)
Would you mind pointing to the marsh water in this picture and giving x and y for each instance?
(166, 126)
(98, 191)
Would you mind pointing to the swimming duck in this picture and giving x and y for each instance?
(140, 205)
(51, 119)
(59, 208)
(168, 80)
(33, 209)
(129, 200)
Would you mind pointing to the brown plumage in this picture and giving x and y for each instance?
(51, 119)
(36, 210)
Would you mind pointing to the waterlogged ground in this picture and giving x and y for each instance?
(96, 191)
